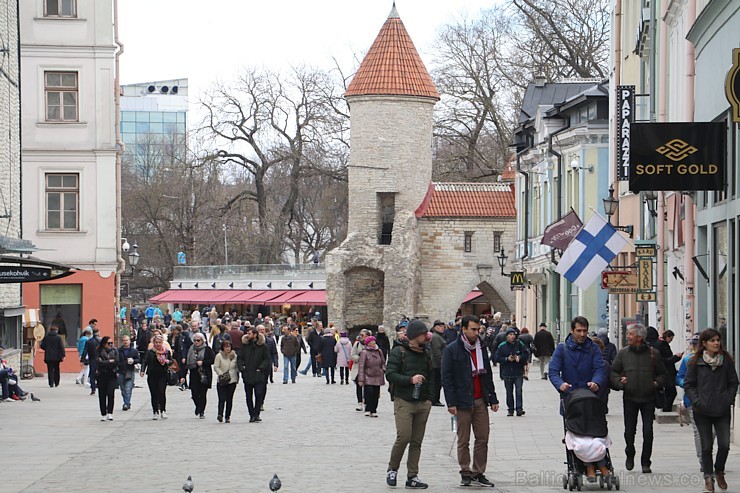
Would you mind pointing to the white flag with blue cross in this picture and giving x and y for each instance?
(595, 245)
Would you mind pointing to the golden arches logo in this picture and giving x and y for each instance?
(517, 278)
(676, 150)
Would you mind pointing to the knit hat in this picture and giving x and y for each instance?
(510, 330)
(370, 339)
(415, 329)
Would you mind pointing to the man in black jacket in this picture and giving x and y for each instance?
(314, 342)
(254, 363)
(54, 353)
(544, 346)
(663, 346)
(90, 357)
(638, 370)
(469, 391)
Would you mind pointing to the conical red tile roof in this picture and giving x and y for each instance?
(392, 66)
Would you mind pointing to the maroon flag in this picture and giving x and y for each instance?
(561, 232)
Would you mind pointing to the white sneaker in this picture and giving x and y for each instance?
(103, 418)
(77, 382)
(367, 414)
(110, 417)
(155, 416)
(163, 415)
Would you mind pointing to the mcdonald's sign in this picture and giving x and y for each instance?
(518, 280)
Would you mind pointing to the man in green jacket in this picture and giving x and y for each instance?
(638, 370)
(409, 373)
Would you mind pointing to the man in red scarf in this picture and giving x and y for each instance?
(469, 392)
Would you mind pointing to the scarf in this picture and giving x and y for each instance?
(715, 361)
(161, 355)
(479, 369)
(195, 354)
(229, 356)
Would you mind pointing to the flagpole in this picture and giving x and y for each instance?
(629, 242)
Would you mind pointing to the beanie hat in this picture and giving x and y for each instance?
(370, 339)
(510, 330)
(415, 329)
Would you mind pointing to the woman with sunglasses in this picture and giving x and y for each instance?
(155, 364)
(107, 377)
(199, 361)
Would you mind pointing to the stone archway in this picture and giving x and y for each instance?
(498, 304)
(364, 289)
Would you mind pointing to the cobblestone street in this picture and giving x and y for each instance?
(311, 436)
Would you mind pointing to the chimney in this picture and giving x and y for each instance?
(540, 80)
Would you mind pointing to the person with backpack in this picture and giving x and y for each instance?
(90, 357)
(512, 355)
(639, 372)
(411, 378)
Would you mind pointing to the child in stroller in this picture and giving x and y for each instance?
(587, 441)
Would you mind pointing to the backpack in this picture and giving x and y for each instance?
(391, 386)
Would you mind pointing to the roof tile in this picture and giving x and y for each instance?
(468, 200)
(392, 66)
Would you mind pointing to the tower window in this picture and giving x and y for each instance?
(468, 241)
(387, 214)
(496, 242)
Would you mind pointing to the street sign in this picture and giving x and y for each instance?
(517, 280)
(10, 274)
(645, 274)
(646, 250)
(651, 296)
(619, 282)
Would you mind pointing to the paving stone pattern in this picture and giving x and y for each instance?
(311, 436)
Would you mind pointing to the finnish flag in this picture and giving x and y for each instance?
(590, 252)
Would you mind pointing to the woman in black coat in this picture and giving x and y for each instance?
(155, 364)
(107, 377)
(328, 355)
(199, 360)
(711, 385)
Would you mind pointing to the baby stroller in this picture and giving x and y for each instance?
(584, 415)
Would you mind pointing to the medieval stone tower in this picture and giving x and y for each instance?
(374, 276)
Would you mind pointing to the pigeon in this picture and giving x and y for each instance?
(34, 398)
(188, 486)
(275, 483)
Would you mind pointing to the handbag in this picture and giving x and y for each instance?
(203, 376)
(172, 377)
(224, 378)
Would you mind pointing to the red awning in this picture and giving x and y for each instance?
(471, 296)
(242, 296)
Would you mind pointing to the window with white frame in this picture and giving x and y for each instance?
(60, 8)
(62, 201)
(60, 89)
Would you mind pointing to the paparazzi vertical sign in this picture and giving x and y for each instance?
(625, 118)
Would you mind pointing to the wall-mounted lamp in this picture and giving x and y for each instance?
(610, 208)
(502, 258)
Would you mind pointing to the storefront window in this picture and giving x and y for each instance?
(61, 306)
(720, 276)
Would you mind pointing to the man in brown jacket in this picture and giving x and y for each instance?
(289, 346)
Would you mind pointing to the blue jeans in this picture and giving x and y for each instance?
(513, 384)
(289, 361)
(127, 386)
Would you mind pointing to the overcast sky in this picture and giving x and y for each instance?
(205, 41)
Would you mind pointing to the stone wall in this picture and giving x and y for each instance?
(364, 299)
(10, 143)
(448, 273)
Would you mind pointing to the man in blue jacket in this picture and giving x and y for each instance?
(577, 363)
(512, 356)
(469, 391)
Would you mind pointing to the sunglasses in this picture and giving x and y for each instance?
(110, 343)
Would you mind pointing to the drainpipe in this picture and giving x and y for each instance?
(690, 212)
(559, 207)
(119, 153)
(526, 202)
(660, 222)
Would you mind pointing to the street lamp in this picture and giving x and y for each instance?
(610, 208)
(651, 199)
(502, 258)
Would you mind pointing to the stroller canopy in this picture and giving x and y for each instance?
(585, 414)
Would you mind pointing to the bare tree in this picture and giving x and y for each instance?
(273, 125)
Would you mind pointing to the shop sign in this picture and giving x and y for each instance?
(649, 297)
(678, 156)
(24, 274)
(619, 282)
(645, 274)
(625, 119)
(732, 85)
(517, 280)
(646, 250)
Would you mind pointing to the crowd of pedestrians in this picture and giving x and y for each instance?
(447, 364)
